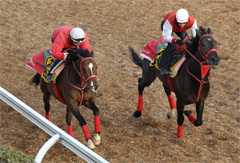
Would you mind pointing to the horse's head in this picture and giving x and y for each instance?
(207, 46)
(86, 67)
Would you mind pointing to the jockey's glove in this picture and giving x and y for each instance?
(72, 52)
(179, 42)
(65, 55)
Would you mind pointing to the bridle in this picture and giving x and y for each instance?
(84, 80)
(205, 67)
(201, 51)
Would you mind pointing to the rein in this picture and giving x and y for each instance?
(82, 76)
(204, 68)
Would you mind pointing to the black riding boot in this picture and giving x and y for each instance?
(49, 75)
(166, 59)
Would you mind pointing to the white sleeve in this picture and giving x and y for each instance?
(167, 31)
(194, 28)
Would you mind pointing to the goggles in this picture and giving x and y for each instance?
(78, 40)
(182, 22)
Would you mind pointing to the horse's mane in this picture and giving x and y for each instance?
(74, 55)
(194, 41)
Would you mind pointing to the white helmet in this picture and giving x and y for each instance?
(77, 35)
(182, 15)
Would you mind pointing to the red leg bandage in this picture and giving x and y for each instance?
(180, 131)
(48, 117)
(192, 118)
(86, 132)
(171, 101)
(97, 124)
(70, 130)
(140, 103)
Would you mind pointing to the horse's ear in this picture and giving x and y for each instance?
(92, 54)
(198, 33)
(209, 31)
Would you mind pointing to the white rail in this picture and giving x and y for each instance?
(58, 135)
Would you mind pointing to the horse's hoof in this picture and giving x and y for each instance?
(97, 139)
(137, 114)
(171, 113)
(197, 123)
(90, 144)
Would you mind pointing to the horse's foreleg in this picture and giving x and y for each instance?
(83, 124)
(196, 121)
(180, 118)
(171, 113)
(69, 120)
(199, 110)
(97, 123)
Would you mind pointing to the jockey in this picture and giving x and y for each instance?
(178, 22)
(66, 38)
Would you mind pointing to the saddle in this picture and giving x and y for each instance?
(178, 59)
(48, 63)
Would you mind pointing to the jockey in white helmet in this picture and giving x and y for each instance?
(178, 22)
(65, 39)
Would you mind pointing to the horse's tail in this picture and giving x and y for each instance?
(135, 57)
(36, 79)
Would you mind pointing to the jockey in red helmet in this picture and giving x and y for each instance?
(178, 22)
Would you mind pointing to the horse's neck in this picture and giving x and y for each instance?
(194, 66)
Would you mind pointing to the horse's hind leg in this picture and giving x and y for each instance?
(46, 98)
(171, 113)
(69, 120)
(148, 76)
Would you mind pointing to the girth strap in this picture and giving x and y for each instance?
(57, 93)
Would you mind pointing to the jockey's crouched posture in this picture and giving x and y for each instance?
(66, 38)
(178, 22)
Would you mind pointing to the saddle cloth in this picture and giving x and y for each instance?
(42, 62)
(157, 58)
(151, 49)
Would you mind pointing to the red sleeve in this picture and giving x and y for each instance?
(86, 44)
(59, 43)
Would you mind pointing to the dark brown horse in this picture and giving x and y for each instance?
(77, 85)
(191, 85)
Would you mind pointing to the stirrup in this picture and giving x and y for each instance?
(165, 71)
(49, 77)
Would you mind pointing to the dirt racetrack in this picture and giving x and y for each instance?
(26, 28)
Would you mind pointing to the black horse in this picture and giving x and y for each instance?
(191, 85)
